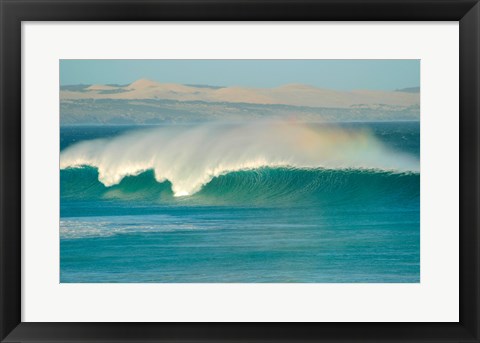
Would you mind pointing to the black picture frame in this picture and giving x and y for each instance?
(13, 12)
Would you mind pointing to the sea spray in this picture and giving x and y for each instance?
(190, 157)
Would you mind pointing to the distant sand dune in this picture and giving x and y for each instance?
(291, 94)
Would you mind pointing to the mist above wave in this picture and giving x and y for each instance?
(190, 156)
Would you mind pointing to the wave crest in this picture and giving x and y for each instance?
(190, 157)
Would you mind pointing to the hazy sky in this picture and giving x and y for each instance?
(333, 74)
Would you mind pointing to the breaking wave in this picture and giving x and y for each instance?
(283, 158)
(263, 186)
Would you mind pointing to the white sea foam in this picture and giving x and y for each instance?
(82, 227)
(190, 156)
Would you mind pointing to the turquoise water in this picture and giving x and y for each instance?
(265, 224)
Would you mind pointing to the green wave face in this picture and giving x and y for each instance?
(258, 187)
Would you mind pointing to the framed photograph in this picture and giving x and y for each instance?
(239, 171)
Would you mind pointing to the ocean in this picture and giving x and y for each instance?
(223, 203)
